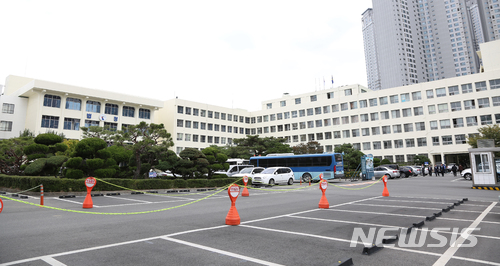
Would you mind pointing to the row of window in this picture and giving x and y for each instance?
(458, 122)
(93, 106)
(74, 123)
(212, 114)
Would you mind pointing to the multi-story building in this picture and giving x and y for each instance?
(425, 40)
(433, 118)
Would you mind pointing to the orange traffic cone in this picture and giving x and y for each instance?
(385, 193)
(323, 202)
(245, 192)
(233, 218)
(87, 203)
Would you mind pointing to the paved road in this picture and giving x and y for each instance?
(279, 226)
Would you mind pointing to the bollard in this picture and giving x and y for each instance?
(385, 193)
(89, 183)
(245, 192)
(41, 194)
(323, 202)
(233, 218)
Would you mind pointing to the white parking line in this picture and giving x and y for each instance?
(53, 261)
(227, 253)
(121, 198)
(76, 202)
(448, 254)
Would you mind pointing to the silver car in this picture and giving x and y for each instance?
(249, 172)
(380, 171)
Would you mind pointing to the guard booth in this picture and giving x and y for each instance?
(367, 167)
(485, 167)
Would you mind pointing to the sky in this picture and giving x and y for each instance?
(234, 54)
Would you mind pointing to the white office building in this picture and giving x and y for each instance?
(432, 118)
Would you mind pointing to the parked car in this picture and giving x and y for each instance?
(406, 171)
(249, 172)
(417, 170)
(393, 166)
(274, 175)
(467, 174)
(383, 170)
(234, 169)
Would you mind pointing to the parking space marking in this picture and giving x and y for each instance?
(448, 254)
(227, 253)
(122, 198)
(53, 261)
(447, 203)
(422, 208)
(457, 179)
(380, 213)
(71, 201)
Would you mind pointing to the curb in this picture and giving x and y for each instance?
(486, 188)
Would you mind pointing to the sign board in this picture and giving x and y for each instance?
(245, 180)
(152, 174)
(90, 182)
(485, 143)
(234, 191)
(323, 185)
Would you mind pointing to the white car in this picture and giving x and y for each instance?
(249, 172)
(467, 174)
(274, 175)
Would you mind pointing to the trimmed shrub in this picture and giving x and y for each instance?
(56, 160)
(179, 183)
(36, 148)
(73, 173)
(105, 173)
(35, 167)
(95, 163)
(48, 139)
(75, 162)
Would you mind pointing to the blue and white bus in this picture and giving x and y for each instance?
(305, 167)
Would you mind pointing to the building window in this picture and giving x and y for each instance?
(343, 107)
(447, 140)
(467, 88)
(405, 97)
(430, 94)
(434, 124)
(422, 142)
(441, 92)
(458, 122)
(406, 112)
(354, 119)
(495, 100)
(144, 113)
(497, 118)
(384, 115)
(356, 146)
(355, 133)
(71, 124)
(386, 130)
(400, 158)
(180, 110)
(471, 121)
(460, 139)
(188, 110)
(180, 123)
(373, 102)
(302, 113)
(366, 146)
(93, 106)
(319, 136)
(435, 141)
(111, 109)
(348, 92)
(395, 114)
(396, 128)
(5, 125)
(317, 110)
(443, 108)
(92, 123)
(420, 126)
(310, 124)
(346, 133)
(326, 109)
(408, 127)
(7, 108)
(329, 95)
(387, 144)
(394, 99)
(365, 132)
(483, 102)
(314, 98)
(494, 84)
(418, 110)
(128, 111)
(282, 103)
(319, 123)
(445, 123)
(310, 137)
(398, 143)
(336, 121)
(302, 125)
(335, 108)
(336, 134)
(456, 106)
(374, 116)
(469, 105)
(303, 137)
(345, 120)
(110, 126)
(375, 130)
(210, 114)
(73, 104)
(327, 122)
(269, 106)
(363, 103)
(52, 101)
(481, 85)
(410, 143)
(383, 100)
(196, 112)
(416, 95)
(297, 101)
(432, 109)
(50, 121)
(486, 120)
(216, 115)
(364, 117)
(453, 90)
(210, 126)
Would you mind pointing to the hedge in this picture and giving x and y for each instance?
(52, 184)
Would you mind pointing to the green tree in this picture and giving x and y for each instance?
(216, 159)
(420, 159)
(91, 158)
(352, 157)
(12, 156)
(385, 161)
(376, 162)
(486, 132)
(193, 163)
(40, 155)
(170, 162)
(145, 141)
(311, 147)
(256, 146)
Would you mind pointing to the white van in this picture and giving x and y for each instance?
(234, 169)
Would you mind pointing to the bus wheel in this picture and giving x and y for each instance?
(290, 181)
(271, 182)
(306, 178)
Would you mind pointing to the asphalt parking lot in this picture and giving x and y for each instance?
(281, 225)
